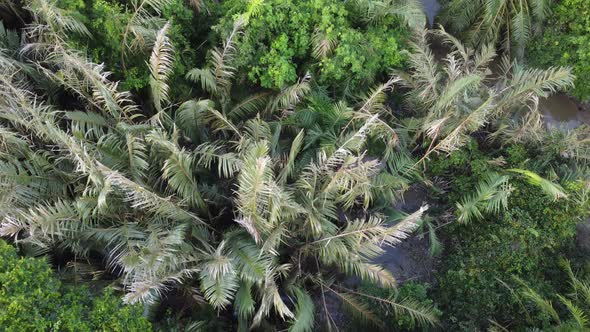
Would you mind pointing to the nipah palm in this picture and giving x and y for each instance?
(460, 94)
(509, 24)
(212, 195)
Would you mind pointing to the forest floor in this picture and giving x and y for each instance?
(411, 260)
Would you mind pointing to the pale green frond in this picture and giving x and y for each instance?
(216, 77)
(271, 298)
(410, 12)
(141, 25)
(455, 89)
(210, 154)
(178, 170)
(291, 95)
(205, 77)
(47, 12)
(142, 198)
(87, 124)
(367, 237)
(220, 122)
(219, 280)
(521, 30)
(254, 191)
(436, 245)
(248, 106)
(136, 156)
(491, 196)
(553, 190)
(542, 304)
(526, 83)
(251, 262)
(576, 312)
(484, 57)
(88, 80)
(44, 224)
(373, 103)
(323, 44)
(424, 315)
(425, 77)
(191, 117)
(477, 118)
(160, 65)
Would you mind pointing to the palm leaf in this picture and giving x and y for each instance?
(160, 65)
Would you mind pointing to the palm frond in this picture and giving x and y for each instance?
(360, 309)
(553, 190)
(323, 44)
(290, 163)
(140, 27)
(491, 196)
(178, 170)
(244, 302)
(304, 312)
(219, 280)
(57, 20)
(576, 312)
(160, 65)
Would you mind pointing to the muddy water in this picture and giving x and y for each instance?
(561, 111)
(431, 8)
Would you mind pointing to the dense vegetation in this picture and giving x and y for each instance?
(242, 165)
(566, 41)
(33, 299)
(525, 242)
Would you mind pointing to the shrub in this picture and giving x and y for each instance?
(33, 299)
(525, 241)
(566, 41)
(284, 39)
(107, 20)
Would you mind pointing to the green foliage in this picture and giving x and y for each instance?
(526, 240)
(559, 312)
(107, 20)
(33, 299)
(566, 41)
(284, 39)
(360, 55)
(516, 155)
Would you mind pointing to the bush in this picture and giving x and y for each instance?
(278, 44)
(33, 299)
(566, 42)
(107, 19)
(525, 241)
